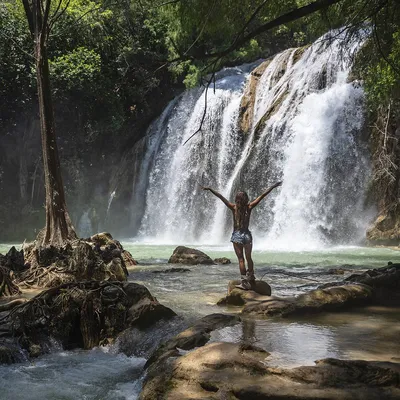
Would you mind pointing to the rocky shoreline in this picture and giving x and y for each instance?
(95, 312)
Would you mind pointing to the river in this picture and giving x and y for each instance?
(104, 373)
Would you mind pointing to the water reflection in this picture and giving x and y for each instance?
(368, 334)
(289, 344)
(248, 332)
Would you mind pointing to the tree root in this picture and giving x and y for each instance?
(98, 258)
(7, 286)
(11, 304)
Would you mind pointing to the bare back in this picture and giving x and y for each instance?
(241, 220)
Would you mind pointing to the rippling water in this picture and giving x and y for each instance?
(89, 375)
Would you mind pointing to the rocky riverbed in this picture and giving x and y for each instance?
(126, 319)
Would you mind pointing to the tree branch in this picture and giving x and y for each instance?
(201, 30)
(249, 21)
(29, 15)
(382, 53)
(212, 79)
(281, 20)
(46, 14)
(56, 16)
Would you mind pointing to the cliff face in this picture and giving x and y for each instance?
(385, 185)
(102, 166)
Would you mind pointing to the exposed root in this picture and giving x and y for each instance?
(82, 314)
(7, 286)
(11, 304)
(97, 258)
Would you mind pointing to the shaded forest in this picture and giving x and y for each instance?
(114, 65)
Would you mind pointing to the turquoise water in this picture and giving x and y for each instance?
(328, 257)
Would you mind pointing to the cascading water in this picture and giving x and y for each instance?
(85, 228)
(304, 127)
(110, 200)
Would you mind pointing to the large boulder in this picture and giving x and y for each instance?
(385, 281)
(378, 286)
(328, 299)
(386, 229)
(188, 256)
(13, 260)
(84, 314)
(194, 336)
(11, 265)
(235, 371)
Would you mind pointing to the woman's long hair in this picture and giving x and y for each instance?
(242, 209)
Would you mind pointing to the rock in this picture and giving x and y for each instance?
(385, 278)
(13, 260)
(7, 285)
(102, 239)
(336, 271)
(171, 270)
(261, 287)
(384, 281)
(222, 260)
(117, 270)
(378, 286)
(9, 353)
(128, 259)
(317, 300)
(240, 297)
(248, 99)
(196, 335)
(186, 255)
(35, 350)
(84, 314)
(385, 230)
(231, 371)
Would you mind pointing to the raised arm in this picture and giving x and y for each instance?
(219, 195)
(255, 202)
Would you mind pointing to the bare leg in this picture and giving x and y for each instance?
(250, 265)
(239, 253)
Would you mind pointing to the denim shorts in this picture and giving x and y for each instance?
(242, 236)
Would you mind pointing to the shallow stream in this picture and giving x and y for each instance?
(103, 373)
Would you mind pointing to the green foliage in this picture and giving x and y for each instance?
(76, 70)
(104, 53)
(16, 78)
(382, 78)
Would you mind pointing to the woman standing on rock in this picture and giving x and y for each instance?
(241, 236)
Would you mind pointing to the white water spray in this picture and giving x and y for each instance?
(110, 200)
(306, 131)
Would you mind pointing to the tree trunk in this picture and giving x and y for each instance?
(58, 227)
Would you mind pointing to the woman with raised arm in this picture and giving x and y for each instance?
(241, 236)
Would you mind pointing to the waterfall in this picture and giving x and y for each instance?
(110, 200)
(294, 118)
(85, 228)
